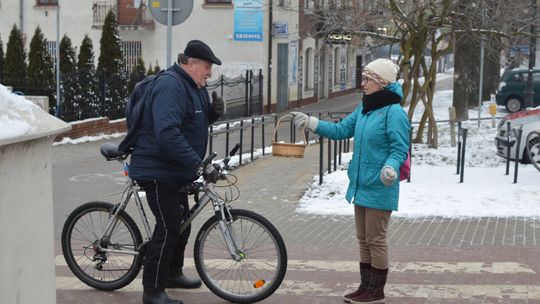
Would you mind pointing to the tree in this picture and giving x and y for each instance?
(2, 60)
(138, 74)
(150, 70)
(86, 96)
(112, 77)
(40, 67)
(68, 61)
(15, 67)
(71, 108)
(425, 31)
(157, 68)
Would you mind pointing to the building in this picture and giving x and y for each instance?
(303, 68)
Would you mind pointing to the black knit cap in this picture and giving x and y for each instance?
(199, 49)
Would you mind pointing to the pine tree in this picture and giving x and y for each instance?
(157, 68)
(87, 97)
(68, 63)
(40, 66)
(86, 55)
(150, 70)
(2, 60)
(138, 74)
(111, 74)
(70, 83)
(15, 68)
(111, 56)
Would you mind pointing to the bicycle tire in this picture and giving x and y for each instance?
(533, 149)
(92, 217)
(245, 224)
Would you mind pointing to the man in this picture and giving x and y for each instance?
(170, 147)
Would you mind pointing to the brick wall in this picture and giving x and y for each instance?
(92, 127)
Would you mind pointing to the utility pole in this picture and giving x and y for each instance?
(269, 74)
(528, 94)
(58, 95)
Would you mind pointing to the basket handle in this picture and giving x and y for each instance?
(303, 131)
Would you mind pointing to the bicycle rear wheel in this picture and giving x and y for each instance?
(263, 262)
(533, 149)
(98, 269)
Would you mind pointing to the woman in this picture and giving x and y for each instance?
(380, 128)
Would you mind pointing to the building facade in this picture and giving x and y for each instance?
(243, 34)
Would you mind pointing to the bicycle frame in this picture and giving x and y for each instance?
(209, 195)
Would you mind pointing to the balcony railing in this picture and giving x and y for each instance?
(128, 18)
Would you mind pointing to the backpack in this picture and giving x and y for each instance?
(405, 169)
(135, 109)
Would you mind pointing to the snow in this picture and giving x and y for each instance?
(435, 189)
(16, 116)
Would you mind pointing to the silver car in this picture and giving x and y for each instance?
(527, 121)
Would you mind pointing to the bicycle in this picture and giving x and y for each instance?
(532, 144)
(239, 255)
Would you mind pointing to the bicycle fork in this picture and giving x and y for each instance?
(228, 234)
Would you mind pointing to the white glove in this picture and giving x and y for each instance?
(301, 120)
(388, 175)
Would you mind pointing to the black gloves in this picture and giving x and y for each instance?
(218, 104)
(211, 173)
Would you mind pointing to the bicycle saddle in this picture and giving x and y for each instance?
(110, 151)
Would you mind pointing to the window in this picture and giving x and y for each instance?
(47, 2)
(132, 51)
(308, 78)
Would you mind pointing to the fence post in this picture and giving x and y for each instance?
(252, 137)
(250, 106)
(211, 141)
(329, 156)
(241, 141)
(102, 91)
(464, 131)
(518, 143)
(410, 152)
(262, 134)
(458, 148)
(508, 130)
(261, 92)
(227, 139)
(246, 105)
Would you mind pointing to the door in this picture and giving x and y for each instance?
(283, 76)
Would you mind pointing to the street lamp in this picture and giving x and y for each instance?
(528, 94)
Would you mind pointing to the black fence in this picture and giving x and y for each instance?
(243, 95)
(90, 93)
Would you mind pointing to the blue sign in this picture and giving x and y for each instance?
(248, 20)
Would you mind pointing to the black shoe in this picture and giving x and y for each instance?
(157, 296)
(181, 281)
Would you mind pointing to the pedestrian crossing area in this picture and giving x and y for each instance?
(420, 280)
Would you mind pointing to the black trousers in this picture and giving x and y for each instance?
(165, 252)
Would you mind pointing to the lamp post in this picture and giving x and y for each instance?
(528, 94)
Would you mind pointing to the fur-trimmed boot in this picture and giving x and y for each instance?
(375, 292)
(365, 279)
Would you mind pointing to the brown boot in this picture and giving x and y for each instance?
(375, 292)
(365, 277)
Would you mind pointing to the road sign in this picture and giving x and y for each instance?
(181, 9)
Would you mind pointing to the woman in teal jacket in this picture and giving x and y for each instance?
(380, 128)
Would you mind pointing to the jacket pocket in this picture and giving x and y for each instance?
(370, 175)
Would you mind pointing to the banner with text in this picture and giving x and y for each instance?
(248, 20)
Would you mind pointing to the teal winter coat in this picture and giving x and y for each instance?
(381, 137)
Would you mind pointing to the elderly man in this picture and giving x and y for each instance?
(169, 148)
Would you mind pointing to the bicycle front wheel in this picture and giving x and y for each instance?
(81, 246)
(533, 149)
(262, 264)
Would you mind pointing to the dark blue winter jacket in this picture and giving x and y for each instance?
(174, 129)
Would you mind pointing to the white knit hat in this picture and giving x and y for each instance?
(382, 71)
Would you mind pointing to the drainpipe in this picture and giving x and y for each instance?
(269, 76)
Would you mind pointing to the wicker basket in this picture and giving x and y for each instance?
(286, 149)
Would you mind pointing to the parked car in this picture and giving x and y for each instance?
(528, 121)
(511, 87)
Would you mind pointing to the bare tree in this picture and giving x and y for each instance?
(426, 30)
